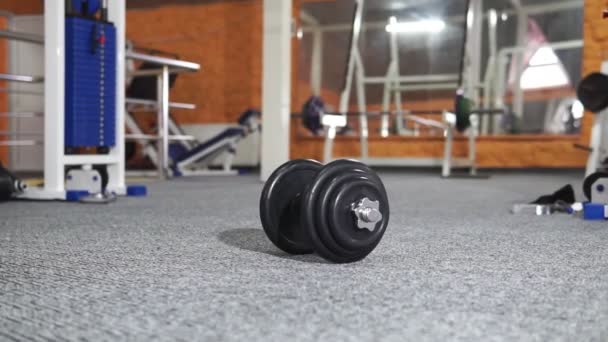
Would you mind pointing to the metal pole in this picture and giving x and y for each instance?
(362, 104)
(54, 89)
(386, 99)
(316, 70)
(447, 156)
(487, 121)
(330, 135)
(396, 74)
(354, 48)
(22, 36)
(276, 86)
(163, 120)
(473, 144)
(117, 15)
(522, 30)
(473, 51)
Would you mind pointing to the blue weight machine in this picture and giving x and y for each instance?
(90, 77)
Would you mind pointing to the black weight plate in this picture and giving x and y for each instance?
(588, 183)
(593, 92)
(280, 205)
(336, 223)
(328, 216)
(341, 215)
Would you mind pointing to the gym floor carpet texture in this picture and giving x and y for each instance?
(191, 262)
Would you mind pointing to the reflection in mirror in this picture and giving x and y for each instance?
(514, 63)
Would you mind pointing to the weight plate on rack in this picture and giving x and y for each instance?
(280, 205)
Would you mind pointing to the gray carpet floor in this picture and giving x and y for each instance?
(190, 262)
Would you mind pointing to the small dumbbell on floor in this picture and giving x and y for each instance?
(340, 211)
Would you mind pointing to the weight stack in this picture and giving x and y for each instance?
(90, 79)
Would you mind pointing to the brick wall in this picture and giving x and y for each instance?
(224, 37)
(23, 6)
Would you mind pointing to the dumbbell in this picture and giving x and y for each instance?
(339, 211)
(9, 185)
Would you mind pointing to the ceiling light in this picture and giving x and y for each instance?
(420, 26)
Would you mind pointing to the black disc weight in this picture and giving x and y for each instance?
(327, 211)
(280, 205)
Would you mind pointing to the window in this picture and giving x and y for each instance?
(544, 70)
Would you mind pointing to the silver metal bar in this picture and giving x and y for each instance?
(148, 150)
(446, 163)
(563, 45)
(163, 123)
(156, 137)
(361, 103)
(155, 72)
(418, 87)
(21, 78)
(154, 104)
(22, 36)
(414, 79)
(425, 122)
(19, 91)
(20, 142)
(141, 173)
(165, 62)
(15, 134)
(22, 115)
(473, 131)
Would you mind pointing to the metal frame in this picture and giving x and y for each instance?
(165, 134)
(490, 85)
(355, 76)
(276, 84)
(599, 138)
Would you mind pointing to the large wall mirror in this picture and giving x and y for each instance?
(518, 62)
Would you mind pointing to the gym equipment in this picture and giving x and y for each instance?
(563, 195)
(82, 104)
(85, 8)
(595, 212)
(593, 92)
(89, 185)
(90, 92)
(137, 191)
(86, 179)
(447, 126)
(340, 210)
(462, 108)
(312, 111)
(595, 187)
(184, 155)
(394, 85)
(223, 144)
(560, 201)
(9, 185)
